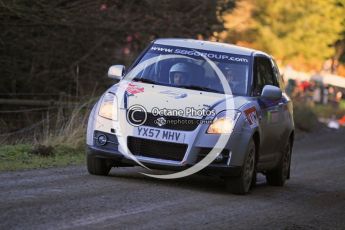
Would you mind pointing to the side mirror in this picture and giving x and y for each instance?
(271, 92)
(116, 72)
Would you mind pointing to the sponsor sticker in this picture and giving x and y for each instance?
(273, 117)
(173, 94)
(134, 89)
(197, 53)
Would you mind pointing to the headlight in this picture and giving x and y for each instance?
(224, 122)
(108, 108)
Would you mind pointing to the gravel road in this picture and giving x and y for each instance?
(70, 198)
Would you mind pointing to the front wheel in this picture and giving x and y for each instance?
(279, 175)
(242, 184)
(97, 166)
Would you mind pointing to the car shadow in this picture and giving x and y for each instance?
(196, 182)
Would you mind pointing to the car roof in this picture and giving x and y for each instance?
(207, 45)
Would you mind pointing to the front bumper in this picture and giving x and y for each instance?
(120, 161)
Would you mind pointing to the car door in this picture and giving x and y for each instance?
(285, 103)
(271, 110)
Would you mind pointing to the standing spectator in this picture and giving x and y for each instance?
(290, 88)
(317, 95)
(338, 96)
(332, 96)
(325, 95)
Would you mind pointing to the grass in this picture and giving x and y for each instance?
(22, 156)
(60, 142)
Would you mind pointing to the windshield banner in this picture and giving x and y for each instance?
(199, 54)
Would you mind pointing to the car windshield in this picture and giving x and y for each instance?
(190, 69)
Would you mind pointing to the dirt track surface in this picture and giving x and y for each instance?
(69, 198)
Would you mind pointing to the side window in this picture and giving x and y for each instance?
(278, 75)
(263, 74)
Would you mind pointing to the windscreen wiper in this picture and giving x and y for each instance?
(202, 88)
(145, 80)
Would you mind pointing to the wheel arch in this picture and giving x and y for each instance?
(292, 138)
(256, 138)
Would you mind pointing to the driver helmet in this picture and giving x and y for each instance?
(229, 73)
(179, 74)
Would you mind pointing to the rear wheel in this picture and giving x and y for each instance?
(242, 184)
(97, 166)
(278, 176)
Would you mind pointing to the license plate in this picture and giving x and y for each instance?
(160, 134)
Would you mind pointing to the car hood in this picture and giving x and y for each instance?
(152, 96)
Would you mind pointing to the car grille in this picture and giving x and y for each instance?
(156, 149)
(173, 122)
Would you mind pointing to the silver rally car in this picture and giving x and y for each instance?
(176, 101)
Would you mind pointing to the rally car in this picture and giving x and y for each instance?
(194, 106)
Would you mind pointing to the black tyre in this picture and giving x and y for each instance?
(97, 166)
(242, 184)
(279, 175)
